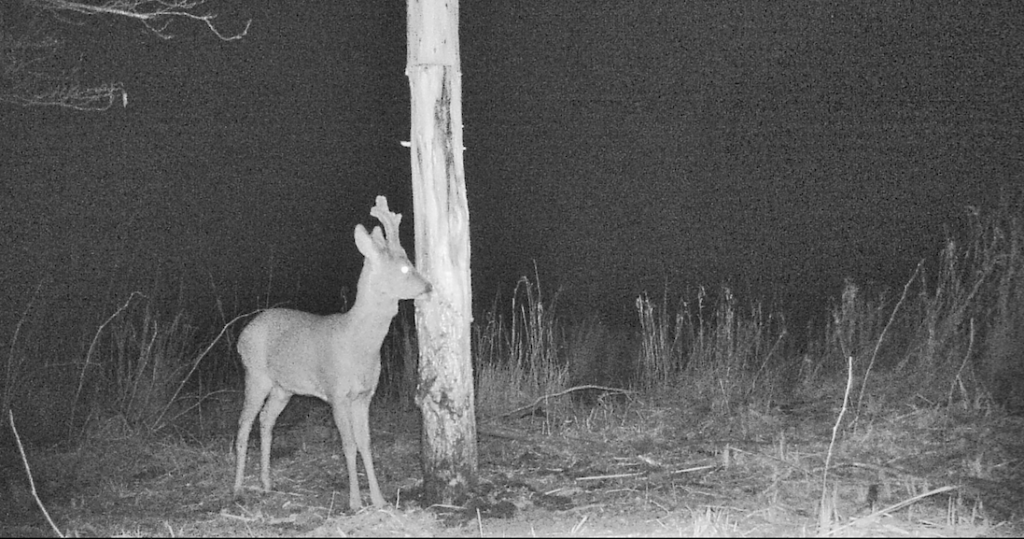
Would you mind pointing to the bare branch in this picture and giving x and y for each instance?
(29, 76)
(72, 96)
(31, 73)
(155, 14)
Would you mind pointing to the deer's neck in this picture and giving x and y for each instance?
(373, 309)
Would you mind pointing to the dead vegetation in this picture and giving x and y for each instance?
(900, 416)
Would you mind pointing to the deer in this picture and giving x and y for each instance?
(335, 358)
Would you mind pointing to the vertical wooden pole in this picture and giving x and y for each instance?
(445, 393)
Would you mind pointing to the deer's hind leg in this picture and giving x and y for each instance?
(256, 392)
(276, 402)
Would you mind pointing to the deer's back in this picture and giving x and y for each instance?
(302, 353)
(279, 334)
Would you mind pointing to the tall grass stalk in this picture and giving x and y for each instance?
(966, 287)
(518, 361)
(84, 368)
(1001, 317)
(148, 359)
(225, 330)
(661, 342)
(930, 335)
(728, 352)
(12, 371)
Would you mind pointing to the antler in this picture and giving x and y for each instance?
(390, 221)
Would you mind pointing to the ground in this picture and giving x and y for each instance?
(662, 465)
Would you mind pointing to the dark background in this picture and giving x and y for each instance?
(776, 146)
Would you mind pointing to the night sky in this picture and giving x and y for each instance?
(777, 146)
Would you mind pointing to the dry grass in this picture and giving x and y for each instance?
(897, 419)
(662, 467)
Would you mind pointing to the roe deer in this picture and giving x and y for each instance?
(335, 357)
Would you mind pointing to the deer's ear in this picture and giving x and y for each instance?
(378, 239)
(365, 243)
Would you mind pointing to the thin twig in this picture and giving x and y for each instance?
(198, 403)
(967, 355)
(835, 432)
(195, 365)
(878, 343)
(561, 393)
(884, 511)
(610, 476)
(28, 473)
(88, 356)
(10, 381)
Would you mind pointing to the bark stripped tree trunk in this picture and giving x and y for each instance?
(445, 393)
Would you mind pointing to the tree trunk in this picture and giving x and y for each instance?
(445, 393)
